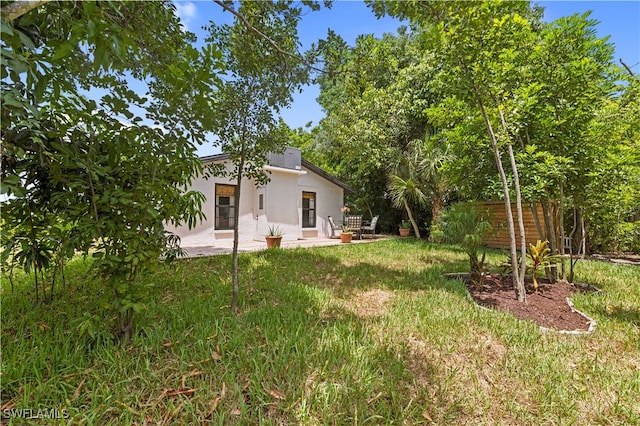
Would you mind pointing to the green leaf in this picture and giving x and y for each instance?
(5, 28)
(91, 29)
(8, 99)
(63, 50)
(99, 58)
(26, 40)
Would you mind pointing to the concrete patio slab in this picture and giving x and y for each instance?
(226, 246)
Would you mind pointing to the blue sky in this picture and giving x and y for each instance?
(618, 19)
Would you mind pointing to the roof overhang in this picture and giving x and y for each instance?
(284, 170)
(306, 164)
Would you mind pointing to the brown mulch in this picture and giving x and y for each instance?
(548, 307)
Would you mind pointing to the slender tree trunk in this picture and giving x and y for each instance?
(436, 208)
(574, 228)
(35, 274)
(126, 326)
(572, 258)
(561, 227)
(34, 250)
(236, 233)
(536, 220)
(523, 241)
(547, 211)
(413, 221)
(583, 235)
(53, 282)
(516, 184)
(518, 284)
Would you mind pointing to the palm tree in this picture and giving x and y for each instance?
(405, 192)
(433, 157)
(417, 174)
(406, 188)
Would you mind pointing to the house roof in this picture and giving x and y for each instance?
(306, 164)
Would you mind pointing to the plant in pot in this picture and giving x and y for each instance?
(405, 228)
(274, 237)
(346, 235)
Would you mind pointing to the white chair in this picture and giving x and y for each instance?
(371, 227)
(334, 228)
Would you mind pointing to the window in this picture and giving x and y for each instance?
(261, 202)
(225, 206)
(308, 209)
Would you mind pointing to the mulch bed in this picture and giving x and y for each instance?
(548, 307)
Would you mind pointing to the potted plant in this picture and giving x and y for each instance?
(274, 237)
(405, 228)
(346, 235)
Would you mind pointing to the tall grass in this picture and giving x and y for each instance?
(354, 334)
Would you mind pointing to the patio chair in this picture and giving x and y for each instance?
(371, 227)
(334, 228)
(355, 224)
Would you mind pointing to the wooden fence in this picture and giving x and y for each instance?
(499, 236)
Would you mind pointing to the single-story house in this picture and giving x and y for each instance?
(298, 199)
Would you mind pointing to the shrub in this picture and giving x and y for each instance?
(464, 224)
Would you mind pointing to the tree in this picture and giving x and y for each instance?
(573, 79)
(375, 95)
(417, 175)
(433, 166)
(264, 68)
(91, 176)
(488, 77)
(612, 199)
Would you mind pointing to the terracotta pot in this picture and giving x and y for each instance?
(404, 232)
(273, 241)
(345, 237)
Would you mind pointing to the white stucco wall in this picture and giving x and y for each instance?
(282, 198)
(205, 230)
(329, 200)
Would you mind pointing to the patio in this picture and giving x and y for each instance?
(201, 248)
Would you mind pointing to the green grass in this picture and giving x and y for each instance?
(353, 334)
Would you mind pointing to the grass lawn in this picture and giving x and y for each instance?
(353, 334)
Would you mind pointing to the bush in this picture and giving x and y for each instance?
(464, 224)
(628, 237)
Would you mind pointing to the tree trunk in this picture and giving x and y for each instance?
(547, 211)
(518, 283)
(516, 184)
(126, 327)
(236, 232)
(436, 208)
(523, 241)
(583, 235)
(411, 219)
(18, 8)
(536, 220)
(572, 258)
(561, 227)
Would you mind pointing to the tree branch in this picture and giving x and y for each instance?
(264, 36)
(18, 8)
(629, 69)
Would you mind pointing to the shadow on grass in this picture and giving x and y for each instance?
(631, 316)
(291, 352)
(338, 364)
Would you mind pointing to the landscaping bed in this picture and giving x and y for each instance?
(548, 307)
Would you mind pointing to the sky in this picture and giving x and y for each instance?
(620, 20)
